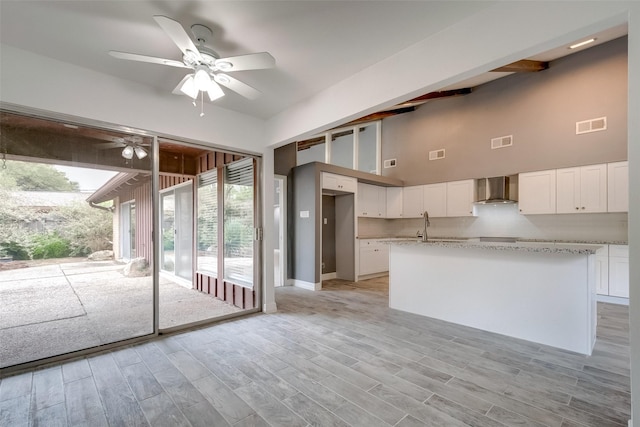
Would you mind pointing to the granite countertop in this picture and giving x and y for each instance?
(518, 240)
(539, 247)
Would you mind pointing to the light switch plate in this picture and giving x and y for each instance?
(304, 214)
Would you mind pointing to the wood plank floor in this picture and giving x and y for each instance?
(337, 357)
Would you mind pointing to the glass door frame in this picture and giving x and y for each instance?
(155, 223)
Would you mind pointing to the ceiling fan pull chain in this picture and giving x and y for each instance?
(4, 157)
(201, 104)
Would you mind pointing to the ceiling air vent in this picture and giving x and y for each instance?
(436, 154)
(501, 142)
(592, 125)
(389, 163)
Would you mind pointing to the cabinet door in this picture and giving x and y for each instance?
(374, 257)
(602, 275)
(619, 277)
(367, 200)
(618, 187)
(460, 197)
(412, 205)
(435, 199)
(329, 181)
(347, 184)
(381, 205)
(537, 192)
(593, 188)
(394, 202)
(568, 190)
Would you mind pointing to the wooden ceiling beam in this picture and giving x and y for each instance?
(440, 94)
(524, 66)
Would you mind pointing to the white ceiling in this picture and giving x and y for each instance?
(316, 44)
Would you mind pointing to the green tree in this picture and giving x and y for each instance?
(34, 177)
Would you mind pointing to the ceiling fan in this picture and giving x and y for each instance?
(130, 145)
(209, 70)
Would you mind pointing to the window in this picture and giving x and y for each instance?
(368, 149)
(208, 223)
(239, 222)
(342, 149)
(355, 147)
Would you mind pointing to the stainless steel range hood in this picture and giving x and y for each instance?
(498, 189)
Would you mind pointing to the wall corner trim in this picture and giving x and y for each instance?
(269, 308)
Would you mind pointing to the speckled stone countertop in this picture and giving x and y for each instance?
(539, 247)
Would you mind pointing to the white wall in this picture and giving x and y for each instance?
(36, 81)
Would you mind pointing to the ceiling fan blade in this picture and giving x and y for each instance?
(215, 91)
(187, 86)
(109, 145)
(176, 32)
(144, 58)
(237, 86)
(252, 61)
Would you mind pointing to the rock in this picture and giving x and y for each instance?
(137, 267)
(101, 256)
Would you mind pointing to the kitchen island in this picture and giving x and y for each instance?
(540, 292)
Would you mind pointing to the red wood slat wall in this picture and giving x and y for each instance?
(229, 292)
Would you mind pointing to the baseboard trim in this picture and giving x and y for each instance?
(307, 285)
(329, 276)
(612, 300)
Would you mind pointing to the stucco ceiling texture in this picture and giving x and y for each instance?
(315, 43)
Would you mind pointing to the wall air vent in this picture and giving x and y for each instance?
(592, 125)
(501, 142)
(389, 163)
(436, 154)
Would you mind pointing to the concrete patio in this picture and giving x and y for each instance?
(58, 308)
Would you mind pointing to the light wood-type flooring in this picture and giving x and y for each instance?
(336, 357)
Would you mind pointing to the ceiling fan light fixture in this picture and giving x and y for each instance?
(141, 153)
(222, 79)
(127, 152)
(224, 65)
(202, 78)
(188, 87)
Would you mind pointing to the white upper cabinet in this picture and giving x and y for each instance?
(582, 189)
(372, 201)
(335, 182)
(460, 197)
(412, 202)
(435, 199)
(537, 192)
(394, 202)
(618, 187)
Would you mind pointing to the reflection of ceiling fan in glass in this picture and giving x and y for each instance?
(130, 145)
(208, 68)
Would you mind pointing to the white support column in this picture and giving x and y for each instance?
(268, 290)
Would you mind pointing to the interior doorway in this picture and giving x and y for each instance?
(177, 230)
(280, 226)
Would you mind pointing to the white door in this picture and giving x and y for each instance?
(127, 231)
(280, 221)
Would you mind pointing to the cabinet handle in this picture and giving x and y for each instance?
(577, 208)
(583, 207)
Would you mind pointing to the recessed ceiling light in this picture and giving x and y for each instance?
(577, 45)
(67, 125)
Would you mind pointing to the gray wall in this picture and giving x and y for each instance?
(328, 234)
(304, 231)
(538, 109)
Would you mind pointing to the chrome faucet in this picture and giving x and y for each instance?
(426, 224)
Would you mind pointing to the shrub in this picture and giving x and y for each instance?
(15, 250)
(50, 245)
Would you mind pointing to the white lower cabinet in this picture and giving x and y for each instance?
(612, 271)
(619, 271)
(602, 270)
(374, 257)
